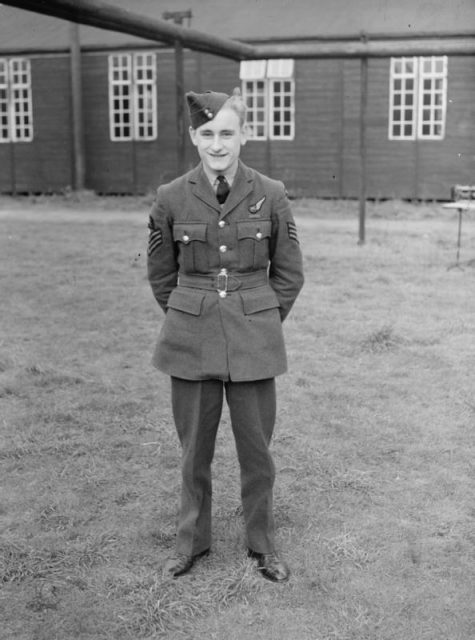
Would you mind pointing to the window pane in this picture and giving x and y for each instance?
(254, 95)
(283, 109)
(132, 96)
(18, 103)
(432, 105)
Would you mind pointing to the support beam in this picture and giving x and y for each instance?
(456, 46)
(79, 163)
(363, 176)
(180, 107)
(105, 15)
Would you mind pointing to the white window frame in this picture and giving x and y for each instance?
(432, 97)
(16, 104)
(268, 89)
(133, 96)
(417, 98)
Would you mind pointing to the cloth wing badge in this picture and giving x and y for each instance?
(255, 208)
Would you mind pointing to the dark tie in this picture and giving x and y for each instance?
(222, 190)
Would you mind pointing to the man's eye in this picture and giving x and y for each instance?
(227, 134)
(206, 134)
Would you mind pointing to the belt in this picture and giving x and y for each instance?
(224, 281)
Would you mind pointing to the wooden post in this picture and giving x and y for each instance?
(363, 109)
(12, 167)
(77, 113)
(180, 109)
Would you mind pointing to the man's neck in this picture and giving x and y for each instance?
(229, 174)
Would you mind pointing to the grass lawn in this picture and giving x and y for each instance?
(374, 442)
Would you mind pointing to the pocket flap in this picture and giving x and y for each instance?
(186, 300)
(189, 231)
(259, 299)
(255, 229)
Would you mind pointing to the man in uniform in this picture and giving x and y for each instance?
(224, 264)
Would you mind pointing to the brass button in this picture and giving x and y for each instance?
(222, 294)
(186, 238)
(221, 224)
(223, 248)
(259, 235)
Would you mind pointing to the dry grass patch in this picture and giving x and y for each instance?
(374, 443)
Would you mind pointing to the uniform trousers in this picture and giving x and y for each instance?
(197, 407)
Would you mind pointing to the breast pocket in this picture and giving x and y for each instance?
(191, 238)
(253, 242)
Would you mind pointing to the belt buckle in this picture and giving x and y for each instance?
(222, 283)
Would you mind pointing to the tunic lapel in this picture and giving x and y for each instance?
(242, 187)
(202, 188)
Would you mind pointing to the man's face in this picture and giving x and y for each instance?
(219, 141)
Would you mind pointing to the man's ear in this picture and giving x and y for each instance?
(244, 134)
(192, 133)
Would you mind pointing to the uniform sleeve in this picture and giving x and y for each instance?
(286, 268)
(162, 266)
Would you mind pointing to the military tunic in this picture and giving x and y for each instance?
(226, 276)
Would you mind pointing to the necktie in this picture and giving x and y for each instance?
(222, 190)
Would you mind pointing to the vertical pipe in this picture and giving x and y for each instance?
(77, 113)
(180, 108)
(12, 168)
(363, 118)
(341, 131)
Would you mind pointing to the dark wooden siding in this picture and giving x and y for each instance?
(43, 165)
(442, 164)
(322, 161)
(350, 125)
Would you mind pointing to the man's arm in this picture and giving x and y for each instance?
(286, 268)
(162, 266)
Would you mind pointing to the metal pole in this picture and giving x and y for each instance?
(79, 165)
(363, 109)
(180, 109)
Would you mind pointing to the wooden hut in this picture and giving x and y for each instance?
(304, 110)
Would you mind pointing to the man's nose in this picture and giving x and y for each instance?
(217, 141)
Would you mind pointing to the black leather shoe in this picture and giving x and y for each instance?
(271, 566)
(181, 563)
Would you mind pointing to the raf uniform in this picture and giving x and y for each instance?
(226, 276)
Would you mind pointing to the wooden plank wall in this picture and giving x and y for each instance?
(322, 161)
(45, 164)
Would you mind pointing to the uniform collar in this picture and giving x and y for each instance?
(202, 188)
(229, 175)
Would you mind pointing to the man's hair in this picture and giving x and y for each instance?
(237, 104)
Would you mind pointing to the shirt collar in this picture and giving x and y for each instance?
(229, 175)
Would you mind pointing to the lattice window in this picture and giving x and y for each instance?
(133, 96)
(282, 111)
(417, 98)
(268, 90)
(16, 108)
(433, 96)
(254, 94)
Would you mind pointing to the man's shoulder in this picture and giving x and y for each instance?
(261, 179)
(177, 184)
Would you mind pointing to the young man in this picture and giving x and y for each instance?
(224, 264)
